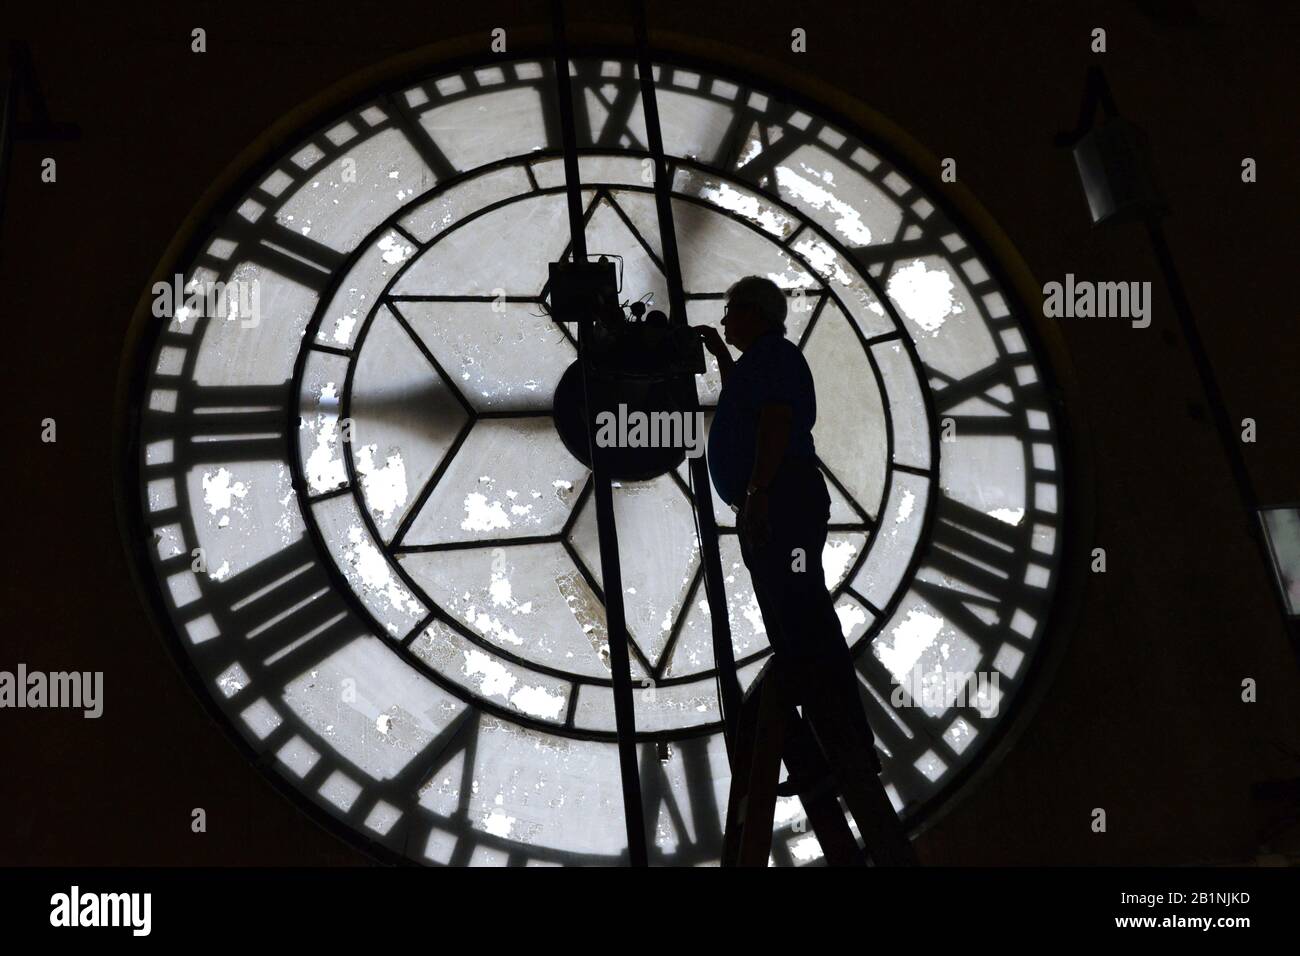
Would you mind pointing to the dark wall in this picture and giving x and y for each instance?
(1144, 716)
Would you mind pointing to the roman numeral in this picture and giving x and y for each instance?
(215, 424)
(700, 798)
(402, 791)
(737, 134)
(983, 552)
(926, 732)
(886, 253)
(983, 385)
(406, 120)
(904, 745)
(459, 739)
(277, 619)
(978, 385)
(285, 251)
(618, 122)
(771, 156)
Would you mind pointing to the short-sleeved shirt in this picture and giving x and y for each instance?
(772, 370)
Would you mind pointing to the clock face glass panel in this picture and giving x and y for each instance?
(380, 561)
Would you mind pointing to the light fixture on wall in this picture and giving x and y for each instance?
(1114, 166)
(1281, 528)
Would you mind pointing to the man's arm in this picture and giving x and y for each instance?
(774, 425)
(775, 421)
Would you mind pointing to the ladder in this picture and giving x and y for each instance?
(828, 755)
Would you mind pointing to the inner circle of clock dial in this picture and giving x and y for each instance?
(401, 596)
(464, 485)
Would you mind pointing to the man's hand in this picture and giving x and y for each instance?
(712, 340)
(753, 523)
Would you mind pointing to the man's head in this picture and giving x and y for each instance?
(755, 306)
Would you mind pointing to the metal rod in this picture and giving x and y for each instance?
(1097, 92)
(610, 570)
(1228, 434)
(572, 178)
(7, 121)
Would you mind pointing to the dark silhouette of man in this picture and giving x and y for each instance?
(763, 463)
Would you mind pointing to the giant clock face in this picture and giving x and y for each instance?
(379, 561)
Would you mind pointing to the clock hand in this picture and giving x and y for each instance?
(729, 694)
(611, 573)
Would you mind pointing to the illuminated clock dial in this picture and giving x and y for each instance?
(378, 559)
